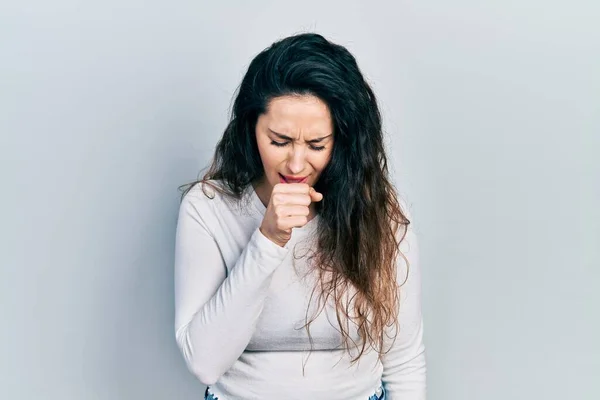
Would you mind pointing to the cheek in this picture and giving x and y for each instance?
(320, 161)
(270, 155)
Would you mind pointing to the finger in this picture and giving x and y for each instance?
(291, 211)
(287, 199)
(314, 195)
(291, 188)
(296, 222)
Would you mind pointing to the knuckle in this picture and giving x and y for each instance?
(277, 189)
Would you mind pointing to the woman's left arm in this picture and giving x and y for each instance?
(404, 366)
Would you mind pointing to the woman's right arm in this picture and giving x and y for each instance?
(215, 314)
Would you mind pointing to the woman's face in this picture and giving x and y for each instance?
(295, 140)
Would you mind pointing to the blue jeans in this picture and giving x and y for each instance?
(378, 395)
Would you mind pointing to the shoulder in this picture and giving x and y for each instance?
(408, 244)
(203, 200)
(209, 193)
(405, 231)
(211, 200)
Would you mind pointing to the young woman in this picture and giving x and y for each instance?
(296, 268)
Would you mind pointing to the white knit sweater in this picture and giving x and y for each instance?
(241, 304)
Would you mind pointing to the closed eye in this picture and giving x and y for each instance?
(282, 144)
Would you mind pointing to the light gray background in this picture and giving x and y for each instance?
(492, 114)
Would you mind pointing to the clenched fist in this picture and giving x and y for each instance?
(289, 207)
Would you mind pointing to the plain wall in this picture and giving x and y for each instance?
(491, 111)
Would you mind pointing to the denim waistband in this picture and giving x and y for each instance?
(378, 395)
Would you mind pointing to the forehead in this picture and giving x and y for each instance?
(299, 114)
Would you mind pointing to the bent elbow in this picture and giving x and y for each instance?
(201, 367)
(206, 376)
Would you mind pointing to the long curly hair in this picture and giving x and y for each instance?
(358, 233)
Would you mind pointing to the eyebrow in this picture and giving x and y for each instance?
(282, 136)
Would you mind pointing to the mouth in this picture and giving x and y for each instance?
(292, 179)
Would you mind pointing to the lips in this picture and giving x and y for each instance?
(291, 179)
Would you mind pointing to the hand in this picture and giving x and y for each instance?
(289, 207)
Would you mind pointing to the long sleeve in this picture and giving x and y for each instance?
(215, 314)
(404, 366)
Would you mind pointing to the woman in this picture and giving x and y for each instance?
(296, 269)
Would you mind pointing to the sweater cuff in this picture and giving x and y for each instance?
(267, 253)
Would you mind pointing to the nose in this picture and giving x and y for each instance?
(296, 160)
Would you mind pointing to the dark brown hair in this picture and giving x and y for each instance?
(361, 218)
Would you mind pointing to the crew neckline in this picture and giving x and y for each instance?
(260, 207)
